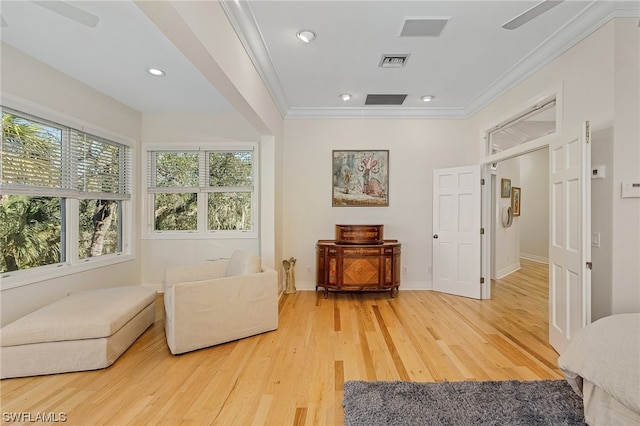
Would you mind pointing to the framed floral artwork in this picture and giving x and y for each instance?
(516, 199)
(360, 178)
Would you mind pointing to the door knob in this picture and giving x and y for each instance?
(435, 236)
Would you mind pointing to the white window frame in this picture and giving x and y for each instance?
(73, 265)
(554, 92)
(149, 231)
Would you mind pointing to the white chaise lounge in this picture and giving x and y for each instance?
(88, 330)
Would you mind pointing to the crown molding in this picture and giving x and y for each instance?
(244, 23)
(377, 113)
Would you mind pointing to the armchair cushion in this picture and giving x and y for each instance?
(243, 263)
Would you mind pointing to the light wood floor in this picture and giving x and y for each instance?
(295, 375)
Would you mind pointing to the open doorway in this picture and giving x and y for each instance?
(524, 235)
(518, 159)
(569, 222)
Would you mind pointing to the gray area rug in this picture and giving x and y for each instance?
(544, 402)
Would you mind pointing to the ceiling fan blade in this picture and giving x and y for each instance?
(68, 11)
(530, 14)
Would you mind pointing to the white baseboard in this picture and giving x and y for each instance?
(411, 285)
(310, 286)
(534, 258)
(416, 285)
(508, 270)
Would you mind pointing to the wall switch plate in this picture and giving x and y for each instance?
(630, 190)
(595, 239)
(598, 172)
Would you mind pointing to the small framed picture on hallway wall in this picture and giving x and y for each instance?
(516, 198)
(505, 188)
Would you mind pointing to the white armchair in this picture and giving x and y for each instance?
(219, 301)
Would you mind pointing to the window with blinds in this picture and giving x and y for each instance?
(203, 190)
(31, 154)
(61, 193)
(102, 167)
(43, 157)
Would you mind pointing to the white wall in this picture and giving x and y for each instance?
(602, 195)
(626, 162)
(416, 147)
(506, 246)
(46, 91)
(534, 217)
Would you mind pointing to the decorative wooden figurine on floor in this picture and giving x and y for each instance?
(289, 274)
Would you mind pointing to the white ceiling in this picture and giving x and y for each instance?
(472, 61)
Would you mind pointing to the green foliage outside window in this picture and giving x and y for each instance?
(99, 228)
(30, 232)
(177, 170)
(228, 188)
(32, 227)
(176, 212)
(230, 211)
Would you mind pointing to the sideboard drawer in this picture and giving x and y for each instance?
(359, 234)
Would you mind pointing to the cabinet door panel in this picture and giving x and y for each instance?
(361, 271)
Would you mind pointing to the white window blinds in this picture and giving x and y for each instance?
(31, 153)
(103, 167)
(43, 157)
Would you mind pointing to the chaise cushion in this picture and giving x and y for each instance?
(243, 263)
(85, 315)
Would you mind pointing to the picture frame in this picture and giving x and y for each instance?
(516, 200)
(505, 188)
(360, 178)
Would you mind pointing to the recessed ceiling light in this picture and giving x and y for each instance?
(306, 35)
(428, 98)
(345, 97)
(157, 72)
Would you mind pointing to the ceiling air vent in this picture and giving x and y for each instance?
(393, 61)
(423, 27)
(385, 99)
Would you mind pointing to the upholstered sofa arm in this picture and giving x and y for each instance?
(208, 312)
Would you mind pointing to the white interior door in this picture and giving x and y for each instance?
(456, 231)
(569, 238)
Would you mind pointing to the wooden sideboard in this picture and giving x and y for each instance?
(358, 267)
